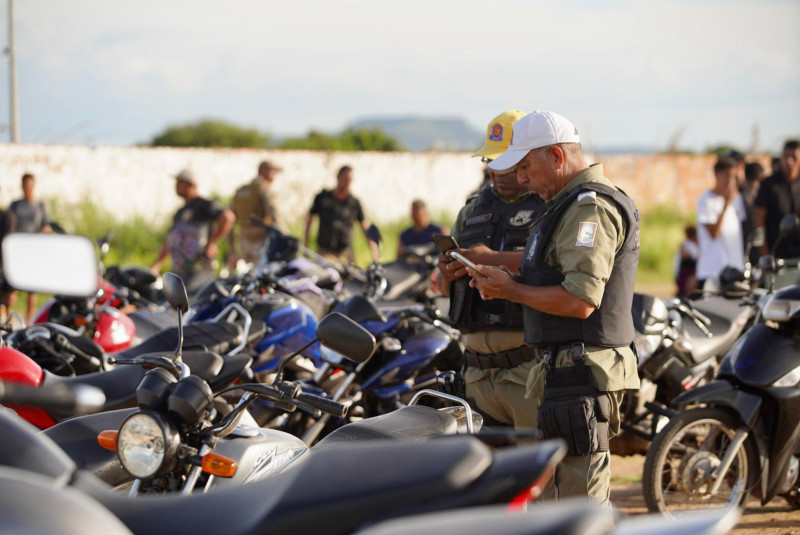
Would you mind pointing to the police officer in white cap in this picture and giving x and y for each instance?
(576, 284)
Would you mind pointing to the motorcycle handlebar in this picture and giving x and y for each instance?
(290, 393)
(61, 342)
(150, 360)
(324, 404)
(76, 398)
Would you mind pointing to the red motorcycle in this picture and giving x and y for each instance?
(99, 317)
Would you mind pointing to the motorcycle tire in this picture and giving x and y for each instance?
(673, 477)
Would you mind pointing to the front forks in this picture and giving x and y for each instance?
(727, 459)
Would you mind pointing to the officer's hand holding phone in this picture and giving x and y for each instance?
(491, 282)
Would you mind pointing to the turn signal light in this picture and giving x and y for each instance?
(81, 321)
(108, 440)
(217, 465)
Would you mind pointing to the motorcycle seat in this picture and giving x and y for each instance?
(118, 385)
(728, 319)
(340, 488)
(232, 367)
(576, 516)
(217, 337)
(414, 422)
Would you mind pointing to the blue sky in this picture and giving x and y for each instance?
(626, 72)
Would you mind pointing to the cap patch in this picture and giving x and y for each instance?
(586, 234)
(497, 133)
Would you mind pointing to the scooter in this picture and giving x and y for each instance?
(743, 436)
(679, 343)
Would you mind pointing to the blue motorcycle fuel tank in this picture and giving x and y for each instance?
(290, 325)
(418, 350)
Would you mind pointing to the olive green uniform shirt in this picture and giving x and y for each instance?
(255, 198)
(586, 271)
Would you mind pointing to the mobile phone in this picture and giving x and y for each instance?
(444, 242)
(463, 259)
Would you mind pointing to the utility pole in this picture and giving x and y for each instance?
(12, 76)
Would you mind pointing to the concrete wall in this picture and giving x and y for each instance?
(136, 180)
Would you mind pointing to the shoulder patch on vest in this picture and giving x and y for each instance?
(586, 234)
(590, 194)
(478, 219)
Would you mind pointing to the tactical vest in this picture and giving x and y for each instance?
(610, 325)
(501, 226)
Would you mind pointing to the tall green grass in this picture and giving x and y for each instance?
(137, 240)
(662, 232)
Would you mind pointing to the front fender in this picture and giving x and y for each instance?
(723, 393)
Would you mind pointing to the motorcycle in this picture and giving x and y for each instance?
(680, 343)
(427, 480)
(744, 435)
(77, 278)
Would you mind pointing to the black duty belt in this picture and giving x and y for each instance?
(504, 359)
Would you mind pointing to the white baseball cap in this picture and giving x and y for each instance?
(535, 130)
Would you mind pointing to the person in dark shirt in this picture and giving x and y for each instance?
(192, 240)
(32, 216)
(8, 224)
(337, 210)
(753, 175)
(422, 231)
(779, 195)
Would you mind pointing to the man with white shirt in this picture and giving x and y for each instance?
(720, 212)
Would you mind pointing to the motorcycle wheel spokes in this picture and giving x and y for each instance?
(683, 457)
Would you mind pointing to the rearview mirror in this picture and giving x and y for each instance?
(175, 292)
(51, 263)
(343, 335)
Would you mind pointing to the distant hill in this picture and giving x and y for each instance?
(421, 134)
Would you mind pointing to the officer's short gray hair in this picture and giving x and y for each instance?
(566, 148)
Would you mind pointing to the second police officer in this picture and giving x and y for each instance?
(496, 219)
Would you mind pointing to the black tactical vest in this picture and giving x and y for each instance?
(501, 226)
(610, 325)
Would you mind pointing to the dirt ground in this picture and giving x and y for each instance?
(776, 518)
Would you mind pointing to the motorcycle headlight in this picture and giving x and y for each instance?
(780, 309)
(790, 379)
(646, 344)
(147, 444)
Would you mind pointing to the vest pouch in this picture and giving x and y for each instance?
(572, 420)
(574, 411)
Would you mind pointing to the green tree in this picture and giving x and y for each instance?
(210, 133)
(721, 150)
(352, 139)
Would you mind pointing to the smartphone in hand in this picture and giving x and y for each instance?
(444, 242)
(464, 260)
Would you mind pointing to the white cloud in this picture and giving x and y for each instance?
(288, 66)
